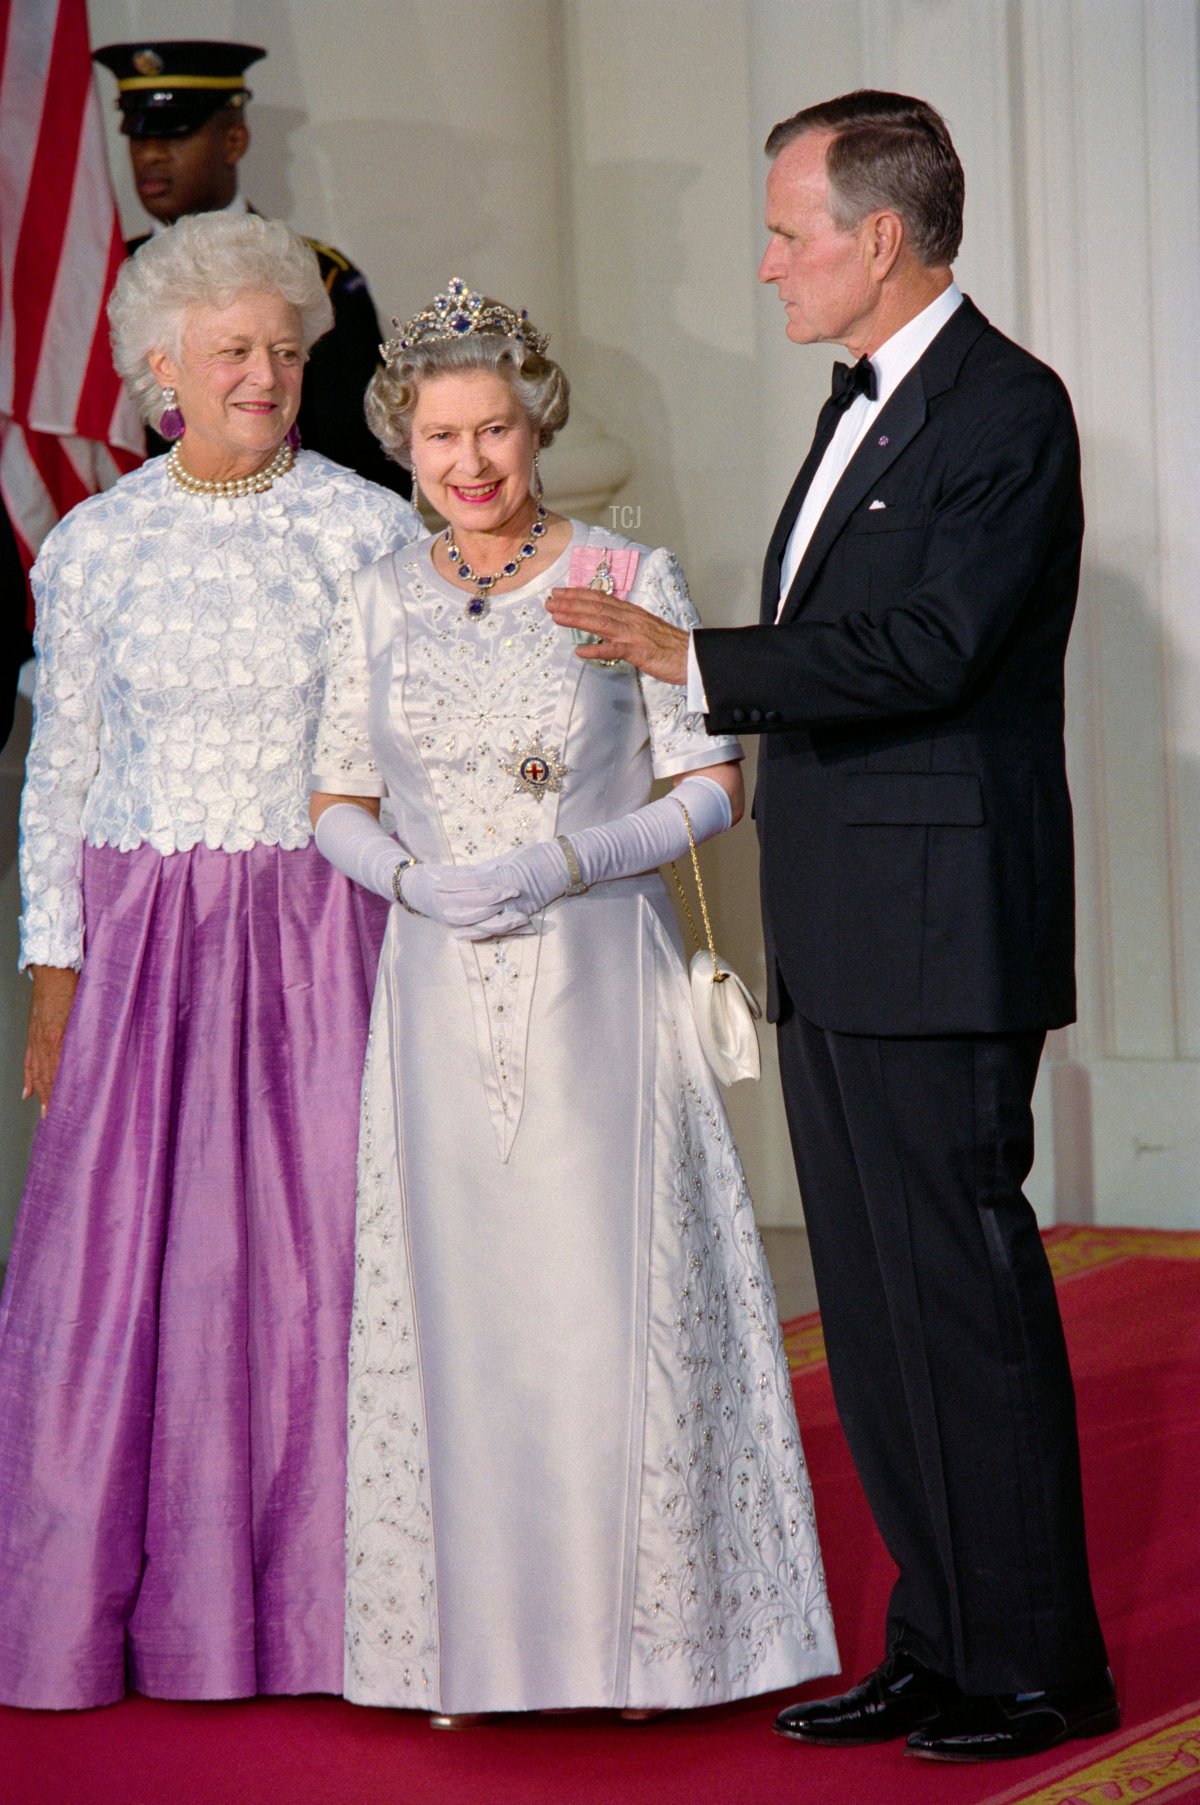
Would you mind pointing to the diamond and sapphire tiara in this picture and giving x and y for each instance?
(458, 313)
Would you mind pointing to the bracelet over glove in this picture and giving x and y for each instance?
(354, 841)
(526, 880)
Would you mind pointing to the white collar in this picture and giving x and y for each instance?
(898, 354)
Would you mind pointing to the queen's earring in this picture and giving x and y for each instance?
(538, 490)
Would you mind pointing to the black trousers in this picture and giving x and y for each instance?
(945, 1344)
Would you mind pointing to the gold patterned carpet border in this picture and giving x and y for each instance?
(803, 1342)
(1160, 1761)
(1071, 1249)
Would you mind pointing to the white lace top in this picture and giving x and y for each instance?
(181, 647)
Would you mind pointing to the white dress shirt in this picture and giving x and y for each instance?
(892, 363)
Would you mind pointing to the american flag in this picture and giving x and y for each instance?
(67, 427)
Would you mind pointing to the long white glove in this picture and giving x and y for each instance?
(525, 881)
(357, 844)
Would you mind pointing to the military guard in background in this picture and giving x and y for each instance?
(183, 110)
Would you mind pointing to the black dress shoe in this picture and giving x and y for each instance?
(1020, 1723)
(899, 1695)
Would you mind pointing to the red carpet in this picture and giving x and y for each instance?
(1131, 1302)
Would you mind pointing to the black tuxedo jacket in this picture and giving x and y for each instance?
(912, 804)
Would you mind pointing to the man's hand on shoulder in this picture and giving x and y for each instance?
(623, 631)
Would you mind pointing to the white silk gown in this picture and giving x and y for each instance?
(575, 1476)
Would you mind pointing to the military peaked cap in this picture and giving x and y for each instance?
(166, 90)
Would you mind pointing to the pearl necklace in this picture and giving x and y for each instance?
(480, 602)
(256, 483)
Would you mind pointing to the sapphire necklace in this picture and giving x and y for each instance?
(480, 602)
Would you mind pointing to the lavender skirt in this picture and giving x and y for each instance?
(174, 1329)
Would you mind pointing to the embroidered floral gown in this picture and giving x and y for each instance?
(575, 1477)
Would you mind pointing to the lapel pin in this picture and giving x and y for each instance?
(883, 438)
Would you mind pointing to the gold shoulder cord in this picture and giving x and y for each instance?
(326, 250)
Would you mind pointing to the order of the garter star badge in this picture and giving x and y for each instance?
(535, 769)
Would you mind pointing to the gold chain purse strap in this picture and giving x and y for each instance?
(718, 975)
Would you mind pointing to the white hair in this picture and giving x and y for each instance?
(206, 260)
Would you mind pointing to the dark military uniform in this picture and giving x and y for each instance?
(339, 368)
(168, 90)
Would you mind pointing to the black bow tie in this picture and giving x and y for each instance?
(850, 380)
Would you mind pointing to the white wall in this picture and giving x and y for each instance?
(599, 161)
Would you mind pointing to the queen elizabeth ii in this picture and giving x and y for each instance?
(173, 1334)
(575, 1478)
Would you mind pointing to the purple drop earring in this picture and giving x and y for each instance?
(292, 437)
(171, 424)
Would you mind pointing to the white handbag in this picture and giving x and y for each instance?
(725, 1009)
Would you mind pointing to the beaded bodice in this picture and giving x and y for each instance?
(489, 734)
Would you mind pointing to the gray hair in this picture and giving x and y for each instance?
(205, 260)
(539, 384)
(888, 151)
